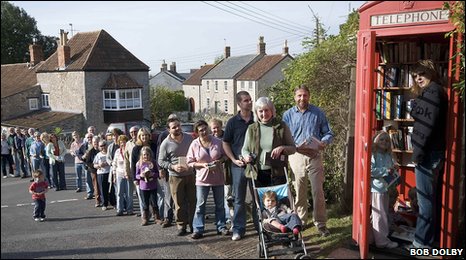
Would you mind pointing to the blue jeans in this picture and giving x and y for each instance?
(124, 195)
(239, 187)
(79, 168)
(199, 216)
(89, 184)
(428, 176)
(39, 208)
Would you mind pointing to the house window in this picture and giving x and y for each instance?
(124, 99)
(33, 104)
(208, 104)
(242, 85)
(250, 85)
(225, 86)
(207, 86)
(45, 100)
(225, 102)
(216, 86)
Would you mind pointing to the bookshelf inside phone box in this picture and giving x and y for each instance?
(392, 37)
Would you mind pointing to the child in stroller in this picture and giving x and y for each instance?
(278, 215)
(279, 225)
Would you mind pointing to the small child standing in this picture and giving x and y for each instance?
(279, 216)
(382, 165)
(147, 175)
(38, 189)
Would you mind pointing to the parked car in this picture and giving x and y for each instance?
(189, 129)
(125, 126)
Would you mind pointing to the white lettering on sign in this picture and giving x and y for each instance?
(413, 17)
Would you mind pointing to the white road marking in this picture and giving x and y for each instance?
(32, 204)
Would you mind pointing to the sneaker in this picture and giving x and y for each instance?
(324, 231)
(11, 175)
(36, 219)
(104, 208)
(42, 219)
(182, 232)
(119, 213)
(4, 177)
(197, 235)
(98, 205)
(223, 232)
(78, 190)
(129, 213)
(236, 237)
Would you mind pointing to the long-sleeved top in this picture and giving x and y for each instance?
(381, 163)
(50, 152)
(119, 164)
(151, 183)
(198, 154)
(74, 150)
(429, 111)
(275, 212)
(101, 158)
(37, 149)
(170, 153)
(305, 125)
(6, 148)
(263, 138)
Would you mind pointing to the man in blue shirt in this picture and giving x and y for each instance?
(233, 139)
(311, 133)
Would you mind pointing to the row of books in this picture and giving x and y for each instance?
(389, 106)
(390, 77)
(401, 138)
(403, 52)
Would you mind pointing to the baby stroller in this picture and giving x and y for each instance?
(270, 236)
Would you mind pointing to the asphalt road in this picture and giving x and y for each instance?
(74, 228)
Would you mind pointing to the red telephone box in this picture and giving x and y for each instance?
(392, 36)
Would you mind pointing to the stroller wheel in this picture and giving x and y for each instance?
(260, 250)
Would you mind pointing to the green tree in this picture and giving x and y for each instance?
(325, 68)
(164, 102)
(18, 31)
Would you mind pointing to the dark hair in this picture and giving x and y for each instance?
(425, 68)
(240, 94)
(198, 124)
(170, 120)
(117, 131)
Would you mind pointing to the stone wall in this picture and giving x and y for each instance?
(18, 104)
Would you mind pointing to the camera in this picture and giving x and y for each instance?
(253, 158)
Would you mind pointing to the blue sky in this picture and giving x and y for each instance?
(191, 33)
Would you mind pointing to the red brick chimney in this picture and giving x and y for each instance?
(227, 52)
(261, 46)
(285, 48)
(163, 67)
(173, 67)
(63, 50)
(36, 53)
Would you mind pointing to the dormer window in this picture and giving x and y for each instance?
(122, 99)
(33, 104)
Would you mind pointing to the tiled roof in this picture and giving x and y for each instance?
(96, 51)
(17, 78)
(121, 81)
(39, 119)
(261, 67)
(229, 67)
(195, 78)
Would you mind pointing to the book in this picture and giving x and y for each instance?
(313, 144)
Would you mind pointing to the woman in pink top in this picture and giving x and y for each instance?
(206, 155)
(78, 163)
